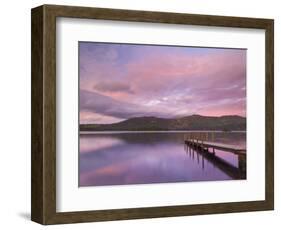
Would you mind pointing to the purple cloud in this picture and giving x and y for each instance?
(119, 81)
(107, 86)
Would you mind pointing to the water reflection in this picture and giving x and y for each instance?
(141, 158)
(233, 168)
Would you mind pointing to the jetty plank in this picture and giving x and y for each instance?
(220, 146)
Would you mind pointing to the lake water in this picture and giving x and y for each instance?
(154, 157)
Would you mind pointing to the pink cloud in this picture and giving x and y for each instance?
(158, 71)
(167, 83)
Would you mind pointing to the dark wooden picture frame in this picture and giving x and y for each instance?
(43, 188)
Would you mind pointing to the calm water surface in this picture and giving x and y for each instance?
(142, 158)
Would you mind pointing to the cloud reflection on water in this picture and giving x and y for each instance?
(116, 159)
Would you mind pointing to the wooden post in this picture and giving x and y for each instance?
(242, 162)
(193, 153)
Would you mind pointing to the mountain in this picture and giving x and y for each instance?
(193, 122)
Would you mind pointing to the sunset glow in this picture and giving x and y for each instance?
(120, 81)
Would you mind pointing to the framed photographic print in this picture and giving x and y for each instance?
(140, 114)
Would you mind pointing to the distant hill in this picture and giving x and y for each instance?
(193, 122)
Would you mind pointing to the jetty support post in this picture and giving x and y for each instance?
(242, 162)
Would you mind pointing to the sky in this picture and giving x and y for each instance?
(120, 81)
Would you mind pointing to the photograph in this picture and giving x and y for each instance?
(161, 114)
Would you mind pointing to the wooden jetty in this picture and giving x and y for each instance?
(206, 145)
(230, 170)
(200, 142)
